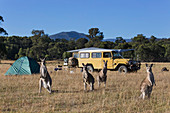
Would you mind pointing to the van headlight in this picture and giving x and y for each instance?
(130, 62)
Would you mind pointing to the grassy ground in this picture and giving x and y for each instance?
(20, 93)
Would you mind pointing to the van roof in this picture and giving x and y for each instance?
(94, 49)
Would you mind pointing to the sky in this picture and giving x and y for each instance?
(115, 18)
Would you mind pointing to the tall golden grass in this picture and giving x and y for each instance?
(20, 93)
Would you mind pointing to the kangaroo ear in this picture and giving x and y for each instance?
(146, 65)
(151, 65)
(103, 60)
(83, 64)
(44, 59)
(41, 59)
(106, 60)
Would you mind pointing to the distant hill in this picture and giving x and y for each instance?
(68, 35)
(76, 35)
(113, 40)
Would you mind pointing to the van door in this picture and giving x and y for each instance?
(97, 60)
(108, 56)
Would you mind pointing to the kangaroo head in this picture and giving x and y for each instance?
(105, 63)
(84, 67)
(42, 61)
(149, 68)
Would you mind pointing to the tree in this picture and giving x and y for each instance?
(124, 45)
(151, 52)
(119, 40)
(95, 37)
(95, 34)
(71, 44)
(157, 52)
(80, 43)
(21, 53)
(66, 55)
(99, 44)
(90, 43)
(2, 45)
(108, 44)
(140, 39)
(2, 50)
(38, 33)
(143, 52)
(152, 39)
(1, 29)
(167, 53)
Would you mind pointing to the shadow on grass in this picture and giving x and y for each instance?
(84, 91)
(6, 63)
(62, 91)
(80, 91)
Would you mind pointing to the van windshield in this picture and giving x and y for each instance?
(127, 54)
(116, 55)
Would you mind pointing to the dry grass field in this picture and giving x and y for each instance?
(20, 93)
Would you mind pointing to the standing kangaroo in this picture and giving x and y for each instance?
(147, 84)
(45, 79)
(102, 77)
(87, 78)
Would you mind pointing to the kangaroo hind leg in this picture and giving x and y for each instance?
(91, 86)
(85, 86)
(40, 85)
(48, 87)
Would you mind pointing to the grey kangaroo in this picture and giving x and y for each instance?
(102, 77)
(45, 79)
(87, 78)
(147, 84)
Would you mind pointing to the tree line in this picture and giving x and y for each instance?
(40, 45)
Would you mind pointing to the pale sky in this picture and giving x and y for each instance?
(115, 18)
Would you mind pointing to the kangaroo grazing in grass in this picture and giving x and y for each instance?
(87, 78)
(102, 77)
(45, 79)
(147, 84)
(164, 69)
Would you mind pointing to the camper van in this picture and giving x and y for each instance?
(94, 57)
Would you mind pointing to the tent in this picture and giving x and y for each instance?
(24, 66)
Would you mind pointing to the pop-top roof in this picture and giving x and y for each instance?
(93, 49)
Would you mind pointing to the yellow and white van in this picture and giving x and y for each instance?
(94, 58)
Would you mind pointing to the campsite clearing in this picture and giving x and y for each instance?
(20, 93)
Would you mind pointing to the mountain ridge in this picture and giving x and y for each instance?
(76, 35)
(68, 35)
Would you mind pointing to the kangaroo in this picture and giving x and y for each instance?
(87, 78)
(164, 69)
(147, 84)
(102, 77)
(45, 79)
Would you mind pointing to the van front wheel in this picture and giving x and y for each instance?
(122, 69)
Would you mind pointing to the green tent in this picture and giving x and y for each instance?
(24, 66)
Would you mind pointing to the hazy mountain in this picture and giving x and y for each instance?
(113, 40)
(68, 35)
(76, 35)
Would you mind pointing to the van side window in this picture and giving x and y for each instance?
(106, 55)
(96, 55)
(76, 55)
(84, 55)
